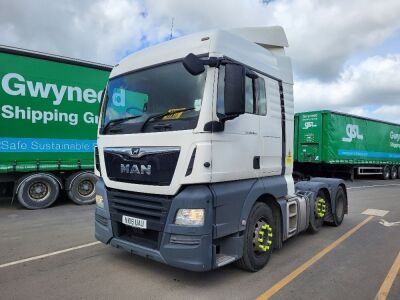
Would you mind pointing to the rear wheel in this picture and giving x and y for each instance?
(82, 187)
(386, 173)
(258, 239)
(320, 206)
(38, 191)
(393, 172)
(340, 202)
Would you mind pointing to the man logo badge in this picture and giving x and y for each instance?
(135, 151)
(135, 169)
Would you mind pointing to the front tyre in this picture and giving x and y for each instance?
(258, 238)
(38, 191)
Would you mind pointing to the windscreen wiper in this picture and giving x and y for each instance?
(161, 115)
(118, 121)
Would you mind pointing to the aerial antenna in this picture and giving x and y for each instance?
(172, 27)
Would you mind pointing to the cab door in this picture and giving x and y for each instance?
(271, 129)
(236, 150)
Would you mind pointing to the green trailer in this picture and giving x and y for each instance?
(49, 108)
(328, 143)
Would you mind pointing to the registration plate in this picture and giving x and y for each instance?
(134, 222)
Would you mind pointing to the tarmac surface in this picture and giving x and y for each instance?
(353, 261)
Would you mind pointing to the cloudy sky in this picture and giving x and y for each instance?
(346, 54)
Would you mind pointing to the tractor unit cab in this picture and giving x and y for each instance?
(195, 153)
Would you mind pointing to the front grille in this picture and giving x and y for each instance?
(151, 169)
(152, 208)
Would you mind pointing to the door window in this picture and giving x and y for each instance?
(255, 94)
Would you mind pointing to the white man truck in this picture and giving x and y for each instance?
(195, 153)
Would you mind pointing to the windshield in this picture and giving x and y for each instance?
(162, 98)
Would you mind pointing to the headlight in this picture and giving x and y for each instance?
(192, 217)
(99, 201)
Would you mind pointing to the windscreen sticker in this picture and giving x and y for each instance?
(172, 115)
(197, 104)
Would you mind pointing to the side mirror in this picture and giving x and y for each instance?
(234, 92)
(193, 64)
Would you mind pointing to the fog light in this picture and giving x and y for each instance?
(191, 217)
(99, 201)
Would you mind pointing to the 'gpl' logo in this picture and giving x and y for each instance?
(309, 125)
(353, 132)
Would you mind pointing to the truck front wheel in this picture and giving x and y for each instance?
(38, 191)
(80, 187)
(258, 238)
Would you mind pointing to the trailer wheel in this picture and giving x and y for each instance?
(258, 238)
(81, 187)
(38, 191)
(386, 173)
(317, 219)
(340, 202)
(393, 172)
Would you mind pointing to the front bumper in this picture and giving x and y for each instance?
(186, 247)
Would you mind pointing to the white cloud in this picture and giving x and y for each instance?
(370, 88)
(92, 30)
(389, 113)
(323, 36)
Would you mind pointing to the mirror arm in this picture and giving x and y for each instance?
(223, 117)
(212, 62)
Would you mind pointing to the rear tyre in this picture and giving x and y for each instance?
(81, 187)
(258, 238)
(317, 219)
(393, 172)
(398, 172)
(38, 191)
(340, 202)
(386, 173)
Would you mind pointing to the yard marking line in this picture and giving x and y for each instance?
(47, 255)
(289, 278)
(370, 186)
(388, 282)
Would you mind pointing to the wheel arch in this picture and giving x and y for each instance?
(25, 177)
